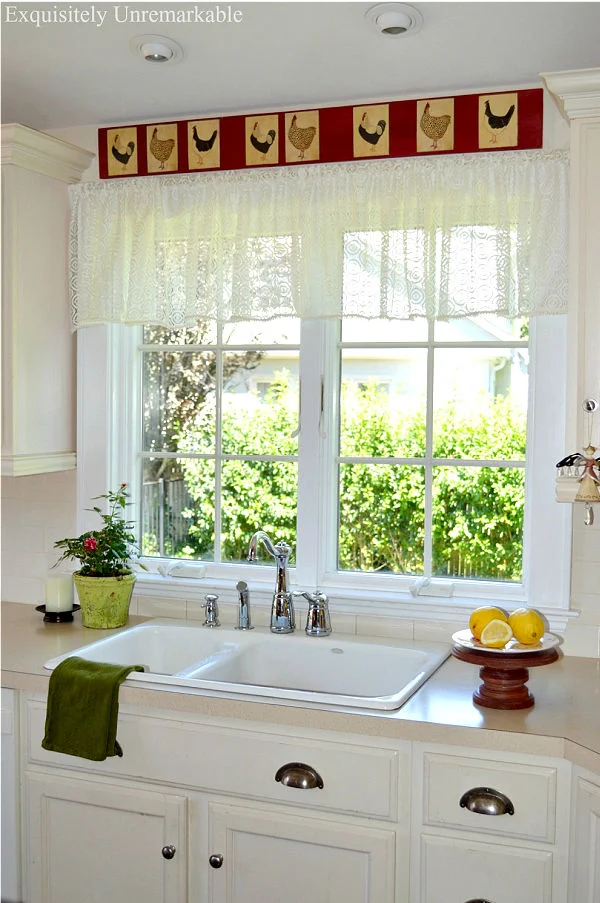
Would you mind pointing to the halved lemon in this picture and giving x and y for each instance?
(527, 626)
(482, 616)
(496, 634)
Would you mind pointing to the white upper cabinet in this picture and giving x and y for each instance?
(38, 347)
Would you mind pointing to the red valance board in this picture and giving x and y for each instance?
(463, 124)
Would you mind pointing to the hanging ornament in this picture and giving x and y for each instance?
(585, 467)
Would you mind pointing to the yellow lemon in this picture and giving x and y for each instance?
(527, 626)
(496, 634)
(481, 617)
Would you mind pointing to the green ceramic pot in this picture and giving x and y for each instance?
(104, 600)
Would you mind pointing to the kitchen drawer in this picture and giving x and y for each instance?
(356, 779)
(530, 788)
(458, 871)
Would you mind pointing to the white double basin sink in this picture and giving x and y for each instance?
(291, 668)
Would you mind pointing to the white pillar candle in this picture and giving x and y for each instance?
(59, 592)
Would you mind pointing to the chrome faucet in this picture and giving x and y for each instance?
(282, 610)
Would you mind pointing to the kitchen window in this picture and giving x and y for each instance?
(408, 457)
(418, 491)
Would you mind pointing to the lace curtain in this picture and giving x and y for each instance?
(436, 237)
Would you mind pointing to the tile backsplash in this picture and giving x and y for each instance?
(36, 512)
(39, 510)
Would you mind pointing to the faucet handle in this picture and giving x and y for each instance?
(318, 621)
(212, 611)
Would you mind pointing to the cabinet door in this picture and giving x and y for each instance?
(93, 843)
(585, 843)
(270, 856)
(461, 871)
(10, 872)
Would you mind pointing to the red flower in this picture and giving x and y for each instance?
(90, 544)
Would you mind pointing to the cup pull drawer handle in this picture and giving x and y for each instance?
(299, 775)
(486, 801)
(478, 900)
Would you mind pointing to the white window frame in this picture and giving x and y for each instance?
(109, 433)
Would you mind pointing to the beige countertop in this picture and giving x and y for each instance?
(564, 723)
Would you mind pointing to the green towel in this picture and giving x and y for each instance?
(83, 708)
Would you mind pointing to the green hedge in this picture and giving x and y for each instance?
(477, 511)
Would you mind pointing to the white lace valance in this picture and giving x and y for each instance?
(436, 237)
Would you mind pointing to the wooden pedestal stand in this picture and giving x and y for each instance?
(504, 677)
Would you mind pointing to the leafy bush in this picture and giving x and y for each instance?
(477, 510)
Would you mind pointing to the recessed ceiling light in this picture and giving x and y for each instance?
(154, 48)
(394, 19)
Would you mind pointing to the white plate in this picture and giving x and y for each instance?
(466, 639)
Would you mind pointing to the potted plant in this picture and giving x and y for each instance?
(104, 581)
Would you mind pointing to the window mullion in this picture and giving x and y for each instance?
(428, 463)
(314, 455)
(218, 440)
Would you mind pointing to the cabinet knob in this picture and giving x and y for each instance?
(486, 801)
(169, 851)
(300, 776)
(215, 861)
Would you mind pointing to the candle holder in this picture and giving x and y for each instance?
(57, 617)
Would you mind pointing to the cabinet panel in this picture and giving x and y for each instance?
(356, 778)
(530, 788)
(38, 349)
(10, 872)
(96, 842)
(459, 871)
(585, 842)
(271, 856)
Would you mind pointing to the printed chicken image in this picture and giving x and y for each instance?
(203, 145)
(161, 149)
(369, 133)
(301, 138)
(434, 127)
(122, 155)
(261, 141)
(497, 123)
(371, 130)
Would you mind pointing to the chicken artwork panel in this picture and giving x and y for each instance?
(498, 120)
(262, 140)
(122, 157)
(371, 130)
(204, 147)
(302, 136)
(161, 145)
(435, 125)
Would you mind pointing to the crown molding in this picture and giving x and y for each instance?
(41, 153)
(21, 465)
(577, 92)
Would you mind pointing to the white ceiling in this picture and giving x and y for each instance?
(281, 55)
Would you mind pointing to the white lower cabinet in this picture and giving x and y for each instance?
(253, 815)
(266, 856)
(209, 810)
(96, 842)
(461, 871)
(584, 883)
(489, 828)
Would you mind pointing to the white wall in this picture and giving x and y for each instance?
(36, 512)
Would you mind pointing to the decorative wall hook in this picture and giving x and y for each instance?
(578, 474)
